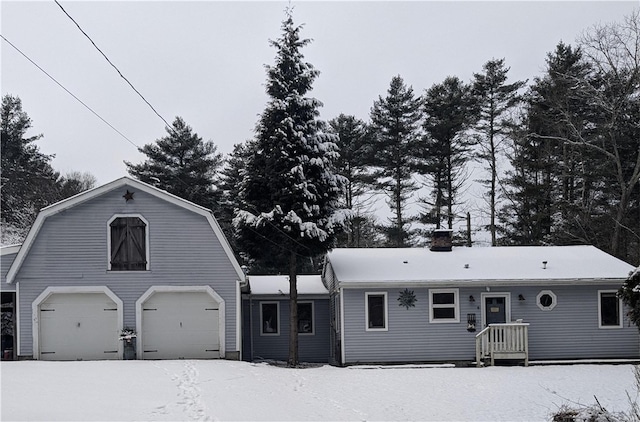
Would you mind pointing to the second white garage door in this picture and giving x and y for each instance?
(180, 325)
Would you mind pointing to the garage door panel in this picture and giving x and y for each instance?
(78, 326)
(180, 325)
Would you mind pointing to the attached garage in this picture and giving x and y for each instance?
(180, 323)
(77, 324)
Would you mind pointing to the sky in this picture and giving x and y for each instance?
(204, 61)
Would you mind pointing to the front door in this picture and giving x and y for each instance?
(495, 310)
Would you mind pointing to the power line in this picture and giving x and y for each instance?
(69, 92)
(114, 66)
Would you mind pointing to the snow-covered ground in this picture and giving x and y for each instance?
(226, 390)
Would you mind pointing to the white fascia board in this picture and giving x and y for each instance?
(478, 282)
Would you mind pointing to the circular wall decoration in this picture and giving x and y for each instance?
(407, 298)
(546, 300)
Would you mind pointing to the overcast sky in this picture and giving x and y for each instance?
(204, 61)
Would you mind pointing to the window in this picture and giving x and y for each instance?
(609, 309)
(305, 318)
(546, 300)
(269, 318)
(376, 311)
(128, 238)
(443, 305)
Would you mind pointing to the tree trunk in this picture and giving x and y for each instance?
(492, 193)
(293, 311)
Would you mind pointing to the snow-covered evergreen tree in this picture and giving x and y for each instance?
(290, 193)
(395, 124)
(182, 164)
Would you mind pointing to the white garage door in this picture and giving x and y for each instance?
(78, 326)
(180, 325)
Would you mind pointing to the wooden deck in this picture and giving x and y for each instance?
(503, 341)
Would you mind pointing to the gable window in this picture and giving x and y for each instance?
(305, 318)
(376, 311)
(609, 309)
(443, 305)
(128, 238)
(269, 318)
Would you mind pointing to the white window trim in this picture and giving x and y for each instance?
(277, 303)
(456, 306)
(620, 312)
(146, 239)
(366, 311)
(313, 318)
(553, 303)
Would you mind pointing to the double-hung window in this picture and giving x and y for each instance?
(609, 309)
(269, 318)
(128, 238)
(444, 305)
(305, 318)
(376, 311)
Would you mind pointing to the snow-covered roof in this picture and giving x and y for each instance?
(462, 264)
(279, 285)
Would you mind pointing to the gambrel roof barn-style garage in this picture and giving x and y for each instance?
(126, 255)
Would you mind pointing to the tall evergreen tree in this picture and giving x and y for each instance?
(182, 164)
(448, 112)
(290, 198)
(29, 183)
(395, 139)
(495, 98)
(355, 154)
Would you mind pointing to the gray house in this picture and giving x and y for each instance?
(474, 304)
(125, 255)
(266, 319)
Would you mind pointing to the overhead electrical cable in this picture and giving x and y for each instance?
(114, 66)
(69, 92)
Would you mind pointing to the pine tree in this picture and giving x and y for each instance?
(494, 99)
(290, 194)
(395, 139)
(29, 182)
(182, 164)
(448, 110)
(355, 154)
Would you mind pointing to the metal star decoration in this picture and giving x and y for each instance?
(128, 196)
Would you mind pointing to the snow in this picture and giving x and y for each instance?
(279, 285)
(231, 390)
(508, 263)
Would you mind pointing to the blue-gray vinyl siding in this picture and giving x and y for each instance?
(5, 262)
(311, 347)
(569, 331)
(71, 250)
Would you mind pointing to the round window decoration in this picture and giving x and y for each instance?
(546, 300)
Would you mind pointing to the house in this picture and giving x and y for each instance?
(124, 255)
(265, 308)
(439, 304)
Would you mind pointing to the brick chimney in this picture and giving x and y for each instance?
(441, 240)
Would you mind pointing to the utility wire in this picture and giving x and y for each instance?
(114, 66)
(69, 92)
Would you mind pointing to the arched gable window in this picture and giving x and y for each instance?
(128, 244)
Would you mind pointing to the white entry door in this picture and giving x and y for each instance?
(78, 326)
(180, 325)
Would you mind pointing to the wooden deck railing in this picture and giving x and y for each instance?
(503, 341)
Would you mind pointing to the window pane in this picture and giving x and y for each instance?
(609, 308)
(270, 318)
(444, 313)
(443, 298)
(305, 318)
(376, 311)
